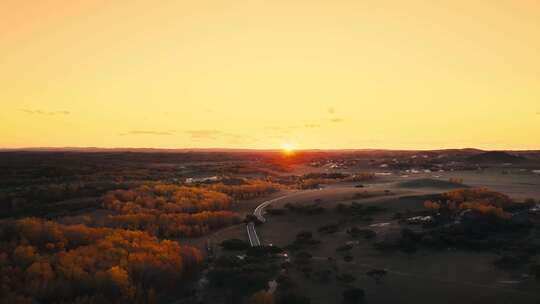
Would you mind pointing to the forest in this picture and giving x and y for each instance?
(51, 263)
(173, 211)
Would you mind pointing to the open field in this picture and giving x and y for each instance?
(425, 277)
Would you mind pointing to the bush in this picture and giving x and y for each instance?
(377, 274)
(235, 244)
(353, 295)
(346, 278)
(293, 298)
(304, 235)
(530, 201)
(510, 261)
(330, 228)
(285, 283)
(261, 297)
(275, 211)
(323, 275)
(263, 251)
(365, 233)
(344, 248)
(535, 271)
(303, 257)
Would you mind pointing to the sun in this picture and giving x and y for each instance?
(288, 148)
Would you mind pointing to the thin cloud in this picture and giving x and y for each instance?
(216, 134)
(282, 129)
(140, 132)
(204, 134)
(40, 112)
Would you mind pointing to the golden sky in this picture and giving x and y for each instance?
(264, 74)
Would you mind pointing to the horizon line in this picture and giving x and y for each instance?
(225, 149)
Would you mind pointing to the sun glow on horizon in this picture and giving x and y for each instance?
(288, 148)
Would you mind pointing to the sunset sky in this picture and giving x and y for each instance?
(267, 74)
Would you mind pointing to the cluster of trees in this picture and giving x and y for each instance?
(485, 208)
(165, 198)
(45, 262)
(249, 190)
(481, 200)
(314, 180)
(477, 219)
(478, 206)
(493, 198)
(174, 225)
(169, 210)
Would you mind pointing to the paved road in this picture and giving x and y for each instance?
(258, 212)
(252, 235)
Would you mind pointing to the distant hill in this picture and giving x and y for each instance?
(496, 157)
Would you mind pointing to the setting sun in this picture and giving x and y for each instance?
(288, 148)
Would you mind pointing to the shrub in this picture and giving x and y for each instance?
(275, 211)
(365, 233)
(344, 248)
(234, 244)
(535, 271)
(346, 278)
(293, 298)
(377, 274)
(353, 295)
(330, 228)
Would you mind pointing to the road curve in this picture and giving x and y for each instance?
(258, 212)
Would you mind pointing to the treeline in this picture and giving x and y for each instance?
(250, 190)
(165, 198)
(169, 210)
(314, 180)
(45, 262)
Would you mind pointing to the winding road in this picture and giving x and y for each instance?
(258, 212)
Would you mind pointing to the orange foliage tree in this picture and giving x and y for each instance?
(261, 297)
